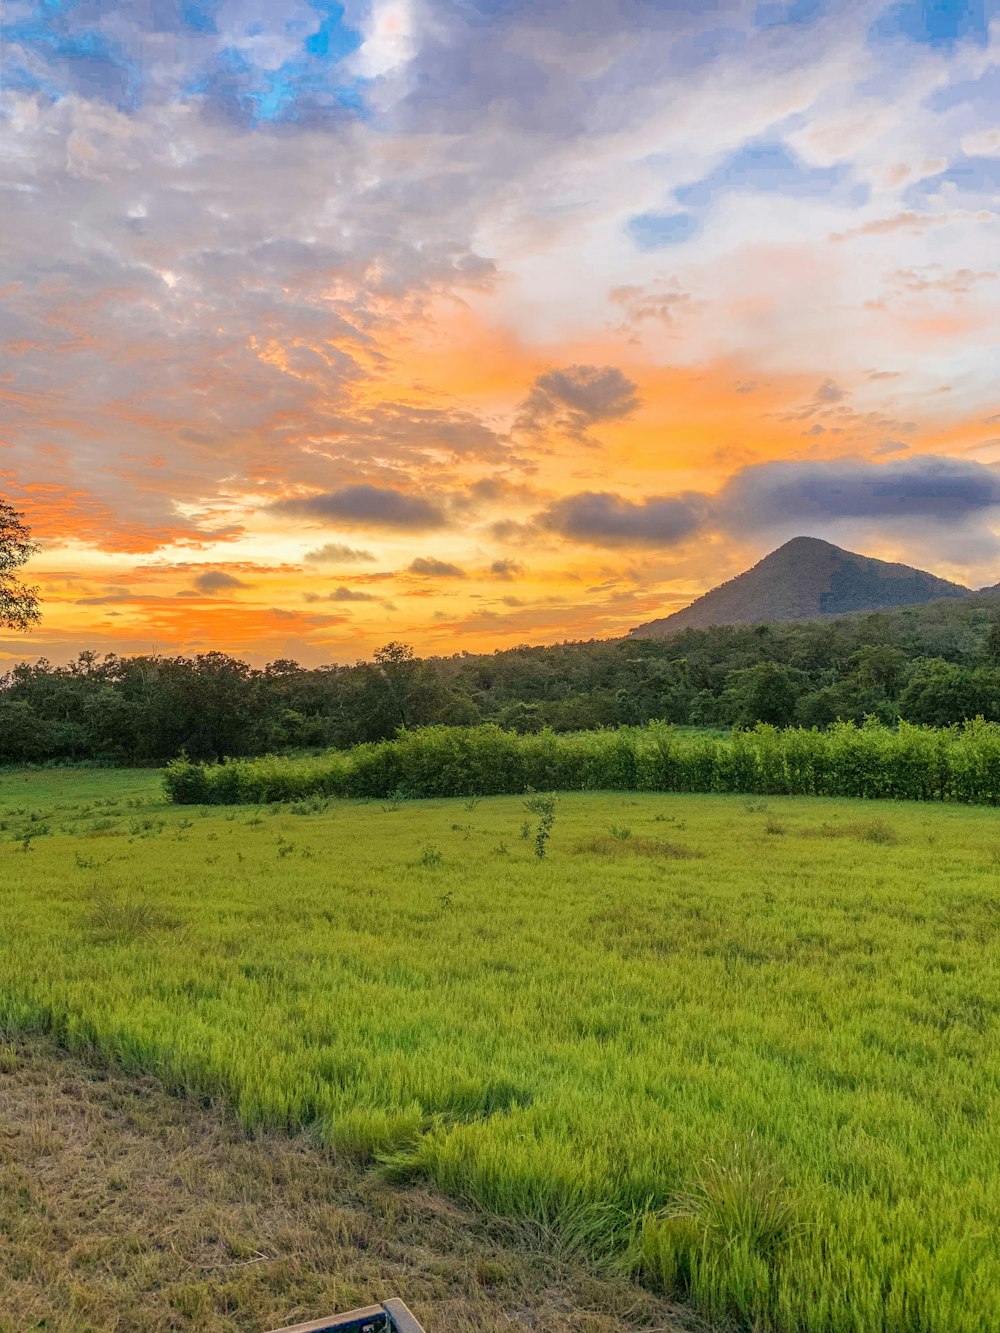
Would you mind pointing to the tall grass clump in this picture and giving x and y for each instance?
(872, 761)
(722, 1242)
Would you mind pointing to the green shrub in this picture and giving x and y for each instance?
(871, 761)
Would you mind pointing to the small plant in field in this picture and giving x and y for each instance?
(740, 1201)
(431, 856)
(620, 833)
(472, 802)
(664, 819)
(525, 831)
(755, 805)
(774, 827)
(315, 806)
(395, 800)
(501, 849)
(544, 809)
(119, 918)
(618, 848)
(445, 900)
(879, 832)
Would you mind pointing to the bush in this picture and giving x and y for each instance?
(185, 782)
(871, 761)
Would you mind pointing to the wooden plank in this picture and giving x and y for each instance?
(371, 1317)
(401, 1316)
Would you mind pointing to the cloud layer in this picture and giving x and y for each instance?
(604, 299)
(768, 498)
(365, 507)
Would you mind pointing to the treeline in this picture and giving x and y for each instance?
(872, 761)
(935, 664)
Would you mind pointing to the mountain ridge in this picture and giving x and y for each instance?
(806, 578)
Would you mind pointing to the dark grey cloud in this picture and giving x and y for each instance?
(576, 398)
(110, 597)
(431, 568)
(942, 490)
(338, 553)
(829, 392)
(507, 570)
(217, 580)
(604, 519)
(810, 498)
(343, 594)
(366, 506)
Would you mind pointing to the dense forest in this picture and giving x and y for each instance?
(937, 663)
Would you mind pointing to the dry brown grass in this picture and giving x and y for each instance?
(122, 1208)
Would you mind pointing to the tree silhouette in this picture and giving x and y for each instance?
(18, 602)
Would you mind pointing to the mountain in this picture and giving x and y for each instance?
(802, 580)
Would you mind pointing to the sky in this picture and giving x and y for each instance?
(471, 323)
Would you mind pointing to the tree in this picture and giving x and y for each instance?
(18, 603)
(993, 640)
(939, 693)
(400, 691)
(766, 692)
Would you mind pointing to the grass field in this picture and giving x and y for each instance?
(748, 1048)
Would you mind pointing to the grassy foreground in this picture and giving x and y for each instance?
(748, 1047)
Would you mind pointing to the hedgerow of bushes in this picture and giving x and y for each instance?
(959, 763)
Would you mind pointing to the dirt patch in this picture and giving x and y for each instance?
(123, 1208)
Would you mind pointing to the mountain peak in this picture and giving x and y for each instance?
(804, 543)
(804, 579)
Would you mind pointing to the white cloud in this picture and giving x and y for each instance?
(982, 143)
(390, 38)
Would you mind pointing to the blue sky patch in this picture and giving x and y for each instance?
(940, 23)
(793, 12)
(333, 39)
(199, 16)
(767, 167)
(652, 231)
(972, 175)
(81, 59)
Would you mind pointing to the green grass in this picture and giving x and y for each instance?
(747, 1046)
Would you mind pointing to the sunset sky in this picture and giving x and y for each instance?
(476, 322)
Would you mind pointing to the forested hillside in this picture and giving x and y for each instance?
(937, 663)
(803, 579)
